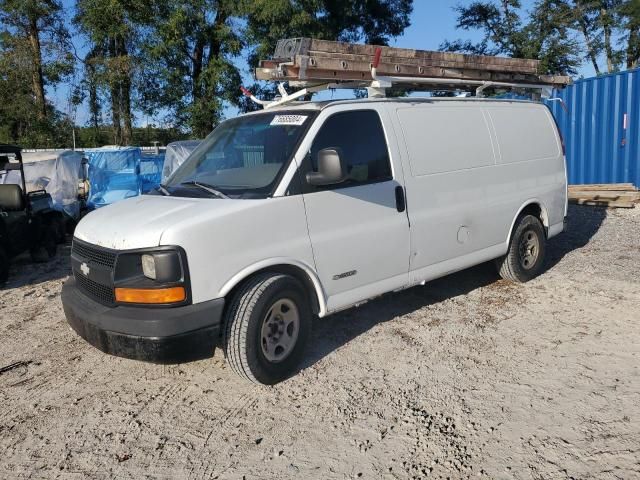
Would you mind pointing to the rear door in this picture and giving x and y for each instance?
(359, 230)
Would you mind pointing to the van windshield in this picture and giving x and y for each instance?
(241, 158)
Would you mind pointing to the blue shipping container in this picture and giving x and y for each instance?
(601, 128)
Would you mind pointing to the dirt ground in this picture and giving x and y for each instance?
(468, 376)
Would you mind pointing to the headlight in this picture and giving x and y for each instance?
(149, 266)
(152, 277)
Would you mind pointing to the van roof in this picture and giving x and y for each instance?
(327, 103)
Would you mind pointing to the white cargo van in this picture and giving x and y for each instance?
(309, 209)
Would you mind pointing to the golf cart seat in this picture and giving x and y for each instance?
(11, 198)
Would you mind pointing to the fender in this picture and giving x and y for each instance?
(272, 262)
(543, 214)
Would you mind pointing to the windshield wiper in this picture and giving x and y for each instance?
(162, 189)
(206, 187)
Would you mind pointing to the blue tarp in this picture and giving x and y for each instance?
(151, 171)
(113, 175)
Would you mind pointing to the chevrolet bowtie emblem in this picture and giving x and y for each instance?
(85, 269)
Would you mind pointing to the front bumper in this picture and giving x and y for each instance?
(158, 335)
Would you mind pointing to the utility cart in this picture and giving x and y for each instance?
(28, 221)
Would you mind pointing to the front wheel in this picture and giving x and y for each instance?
(267, 327)
(527, 249)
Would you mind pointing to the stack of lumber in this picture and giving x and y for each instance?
(614, 195)
(312, 60)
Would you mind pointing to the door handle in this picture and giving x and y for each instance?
(401, 203)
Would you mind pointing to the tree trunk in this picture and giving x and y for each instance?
(125, 97)
(196, 70)
(94, 100)
(215, 46)
(633, 48)
(584, 26)
(606, 27)
(115, 114)
(204, 125)
(114, 90)
(37, 77)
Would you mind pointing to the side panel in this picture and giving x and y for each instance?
(449, 160)
(530, 166)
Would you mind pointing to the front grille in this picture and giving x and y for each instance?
(99, 292)
(98, 283)
(96, 255)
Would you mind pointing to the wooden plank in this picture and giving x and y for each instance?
(357, 62)
(333, 69)
(322, 61)
(603, 195)
(481, 63)
(602, 203)
(311, 46)
(605, 187)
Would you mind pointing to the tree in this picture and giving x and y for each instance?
(371, 21)
(192, 50)
(113, 64)
(546, 36)
(630, 21)
(35, 30)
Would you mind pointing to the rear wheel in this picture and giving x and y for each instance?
(267, 327)
(527, 249)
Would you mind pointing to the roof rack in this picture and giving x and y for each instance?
(314, 65)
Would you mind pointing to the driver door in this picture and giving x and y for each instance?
(359, 229)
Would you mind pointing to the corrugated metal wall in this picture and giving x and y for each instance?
(601, 129)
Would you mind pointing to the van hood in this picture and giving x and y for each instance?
(141, 221)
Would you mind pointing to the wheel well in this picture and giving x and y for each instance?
(535, 210)
(284, 269)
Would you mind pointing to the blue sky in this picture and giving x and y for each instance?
(431, 23)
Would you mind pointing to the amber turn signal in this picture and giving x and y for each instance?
(151, 296)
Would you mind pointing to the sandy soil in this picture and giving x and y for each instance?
(469, 376)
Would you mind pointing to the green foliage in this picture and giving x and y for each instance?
(629, 13)
(560, 33)
(191, 71)
(545, 36)
(114, 66)
(371, 21)
(90, 137)
(35, 52)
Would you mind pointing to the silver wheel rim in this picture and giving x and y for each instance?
(529, 249)
(280, 330)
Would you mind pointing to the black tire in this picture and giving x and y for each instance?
(60, 229)
(245, 319)
(527, 248)
(4, 266)
(50, 240)
(48, 246)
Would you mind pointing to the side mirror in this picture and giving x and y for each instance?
(331, 168)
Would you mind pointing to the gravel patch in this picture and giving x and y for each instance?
(467, 377)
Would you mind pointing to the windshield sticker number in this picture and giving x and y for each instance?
(288, 120)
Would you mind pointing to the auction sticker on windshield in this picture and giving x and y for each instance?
(288, 120)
